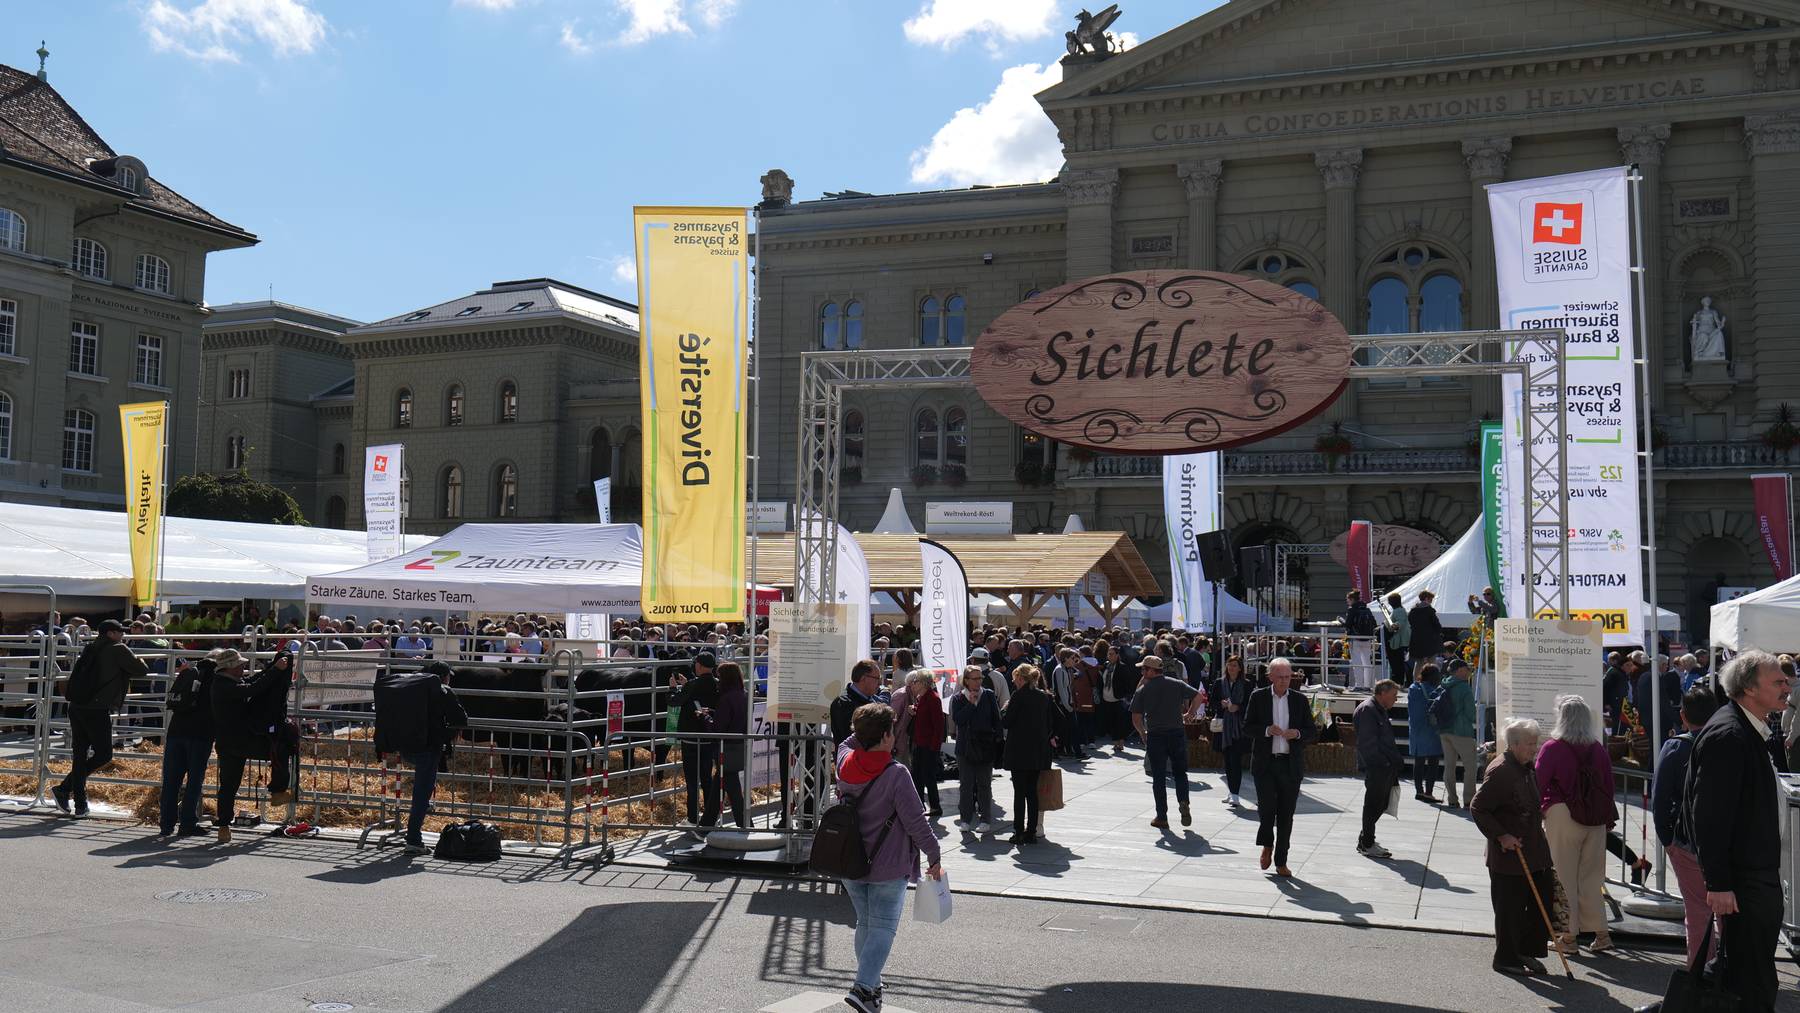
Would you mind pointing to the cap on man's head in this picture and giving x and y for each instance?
(111, 626)
(1151, 661)
(229, 658)
(978, 654)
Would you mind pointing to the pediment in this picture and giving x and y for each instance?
(1245, 40)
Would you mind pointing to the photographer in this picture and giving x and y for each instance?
(417, 716)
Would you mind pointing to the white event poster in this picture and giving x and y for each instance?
(1562, 252)
(603, 498)
(943, 608)
(382, 468)
(1538, 660)
(1190, 508)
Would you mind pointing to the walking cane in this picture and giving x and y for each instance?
(1543, 911)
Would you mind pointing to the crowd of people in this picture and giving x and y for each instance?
(1546, 800)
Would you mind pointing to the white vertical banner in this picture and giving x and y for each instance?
(603, 499)
(382, 468)
(943, 608)
(1562, 250)
(589, 628)
(1190, 507)
(852, 582)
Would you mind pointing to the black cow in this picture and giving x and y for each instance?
(484, 710)
(644, 711)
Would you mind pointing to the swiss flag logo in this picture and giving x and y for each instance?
(1557, 223)
(380, 464)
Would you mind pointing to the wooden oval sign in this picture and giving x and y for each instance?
(1397, 548)
(1162, 362)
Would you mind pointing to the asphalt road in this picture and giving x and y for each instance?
(83, 929)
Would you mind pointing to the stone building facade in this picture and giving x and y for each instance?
(102, 282)
(1340, 148)
(510, 401)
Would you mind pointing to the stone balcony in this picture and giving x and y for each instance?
(1310, 464)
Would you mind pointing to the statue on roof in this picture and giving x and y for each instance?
(1090, 35)
(777, 189)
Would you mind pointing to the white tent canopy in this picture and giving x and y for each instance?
(1235, 610)
(894, 520)
(1462, 571)
(86, 553)
(1768, 619)
(501, 568)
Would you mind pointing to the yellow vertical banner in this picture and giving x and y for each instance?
(693, 307)
(143, 430)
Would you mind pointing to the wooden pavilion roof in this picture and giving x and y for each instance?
(996, 564)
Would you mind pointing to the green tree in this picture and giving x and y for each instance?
(232, 497)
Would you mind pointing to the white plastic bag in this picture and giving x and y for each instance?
(931, 900)
(1393, 806)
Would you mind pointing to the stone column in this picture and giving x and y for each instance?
(1486, 158)
(1089, 194)
(1774, 145)
(1642, 145)
(1340, 169)
(1202, 180)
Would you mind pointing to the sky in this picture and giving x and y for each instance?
(392, 154)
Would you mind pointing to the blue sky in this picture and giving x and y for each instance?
(395, 153)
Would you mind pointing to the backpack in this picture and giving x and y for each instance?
(838, 848)
(1443, 707)
(83, 687)
(473, 841)
(187, 693)
(1590, 805)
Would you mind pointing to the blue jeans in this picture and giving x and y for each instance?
(425, 771)
(183, 776)
(878, 908)
(1167, 753)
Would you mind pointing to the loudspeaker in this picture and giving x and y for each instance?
(1257, 564)
(1215, 555)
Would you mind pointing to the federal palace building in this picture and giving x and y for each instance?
(1339, 147)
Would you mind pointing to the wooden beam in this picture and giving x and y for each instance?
(909, 603)
(1105, 607)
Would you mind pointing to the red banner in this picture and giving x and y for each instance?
(1775, 520)
(1359, 555)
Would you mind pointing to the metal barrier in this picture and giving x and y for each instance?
(1324, 658)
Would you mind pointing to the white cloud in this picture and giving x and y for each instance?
(574, 41)
(218, 29)
(646, 20)
(487, 5)
(947, 22)
(1006, 139)
(624, 270)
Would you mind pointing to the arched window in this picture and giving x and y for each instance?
(234, 453)
(600, 455)
(831, 327)
(853, 323)
(127, 177)
(931, 322)
(1037, 459)
(1283, 269)
(337, 459)
(453, 405)
(630, 460)
(334, 512)
(1415, 288)
(452, 499)
(1388, 313)
(509, 402)
(78, 440)
(88, 258)
(12, 230)
(152, 273)
(956, 441)
(506, 491)
(403, 408)
(405, 491)
(953, 320)
(928, 439)
(850, 456)
(6, 416)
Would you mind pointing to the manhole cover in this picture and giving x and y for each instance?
(212, 895)
(330, 1007)
(1079, 921)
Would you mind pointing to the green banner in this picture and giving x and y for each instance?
(1491, 508)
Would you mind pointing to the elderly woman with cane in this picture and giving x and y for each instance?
(1520, 874)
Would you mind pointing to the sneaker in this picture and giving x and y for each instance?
(1187, 816)
(417, 848)
(192, 831)
(1160, 823)
(1601, 944)
(81, 806)
(961, 825)
(61, 795)
(1373, 850)
(862, 1000)
(984, 828)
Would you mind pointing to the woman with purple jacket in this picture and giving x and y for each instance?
(866, 767)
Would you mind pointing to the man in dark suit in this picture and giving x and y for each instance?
(1734, 808)
(1378, 759)
(1280, 724)
(1671, 694)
